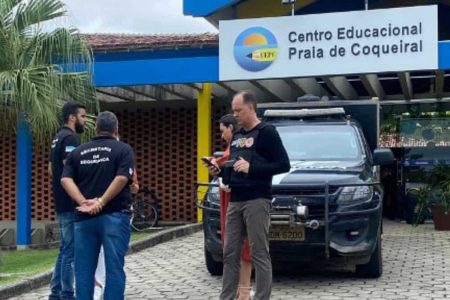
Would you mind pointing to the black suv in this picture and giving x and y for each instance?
(328, 207)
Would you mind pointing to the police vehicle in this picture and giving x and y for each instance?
(328, 208)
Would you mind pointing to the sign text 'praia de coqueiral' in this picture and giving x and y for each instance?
(387, 40)
(304, 42)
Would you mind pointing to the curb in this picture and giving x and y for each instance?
(163, 236)
(39, 280)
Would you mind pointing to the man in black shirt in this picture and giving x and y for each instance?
(257, 153)
(97, 176)
(65, 141)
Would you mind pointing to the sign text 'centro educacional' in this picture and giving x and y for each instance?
(385, 40)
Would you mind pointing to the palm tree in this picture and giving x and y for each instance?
(39, 69)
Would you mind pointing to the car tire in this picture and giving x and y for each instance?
(374, 268)
(214, 267)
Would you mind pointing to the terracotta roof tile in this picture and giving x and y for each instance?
(123, 42)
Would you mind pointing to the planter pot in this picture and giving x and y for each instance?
(441, 219)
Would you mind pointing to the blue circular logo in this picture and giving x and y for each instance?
(255, 49)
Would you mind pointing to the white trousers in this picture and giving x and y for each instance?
(100, 272)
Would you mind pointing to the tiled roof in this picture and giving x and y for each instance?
(118, 42)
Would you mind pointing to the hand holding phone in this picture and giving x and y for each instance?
(208, 162)
(212, 168)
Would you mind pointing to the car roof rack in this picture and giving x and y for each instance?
(304, 113)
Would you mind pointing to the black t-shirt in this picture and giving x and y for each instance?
(94, 165)
(271, 159)
(64, 142)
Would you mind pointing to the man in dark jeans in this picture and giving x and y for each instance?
(65, 141)
(97, 176)
(257, 153)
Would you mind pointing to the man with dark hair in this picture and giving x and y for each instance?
(70, 109)
(256, 154)
(97, 176)
(74, 118)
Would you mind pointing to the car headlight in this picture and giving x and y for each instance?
(352, 194)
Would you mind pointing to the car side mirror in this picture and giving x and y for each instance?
(383, 157)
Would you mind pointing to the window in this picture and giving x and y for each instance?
(320, 142)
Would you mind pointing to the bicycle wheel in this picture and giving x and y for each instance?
(144, 215)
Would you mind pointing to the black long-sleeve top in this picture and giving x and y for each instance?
(269, 146)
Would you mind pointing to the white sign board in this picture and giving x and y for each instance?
(384, 40)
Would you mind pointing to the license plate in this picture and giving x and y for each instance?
(286, 233)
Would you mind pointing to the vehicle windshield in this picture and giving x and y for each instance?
(320, 142)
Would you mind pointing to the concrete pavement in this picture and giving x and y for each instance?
(416, 266)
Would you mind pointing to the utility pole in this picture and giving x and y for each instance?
(292, 3)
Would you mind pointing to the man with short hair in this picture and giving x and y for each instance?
(97, 177)
(256, 154)
(65, 141)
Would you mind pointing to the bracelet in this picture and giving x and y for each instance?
(100, 201)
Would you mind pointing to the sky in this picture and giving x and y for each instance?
(133, 16)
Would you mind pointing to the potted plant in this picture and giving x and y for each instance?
(441, 206)
(437, 196)
(421, 204)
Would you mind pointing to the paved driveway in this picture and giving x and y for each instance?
(416, 266)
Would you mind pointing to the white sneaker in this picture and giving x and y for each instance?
(98, 292)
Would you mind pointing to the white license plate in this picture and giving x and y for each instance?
(286, 233)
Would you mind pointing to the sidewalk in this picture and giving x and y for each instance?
(43, 279)
(416, 266)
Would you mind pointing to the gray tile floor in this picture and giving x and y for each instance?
(416, 266)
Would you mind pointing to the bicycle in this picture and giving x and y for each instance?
(144, 210)
(51, 236)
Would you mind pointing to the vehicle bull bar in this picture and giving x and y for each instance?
(289, 219)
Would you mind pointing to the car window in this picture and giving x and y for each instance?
(320, 142)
